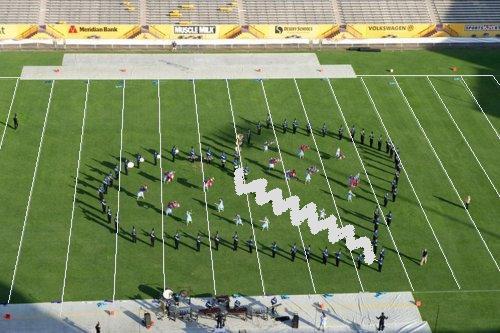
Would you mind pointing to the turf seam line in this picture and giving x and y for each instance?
(248, 200)
(479, 105)
(161, 189)
(118, 192)
(74, 196)
(8, 114)
(463, 136)
(410, 183)
(286, 180)
(31, 191)
(369, 182)
(326, 178)
(204, 188)
(446, 173)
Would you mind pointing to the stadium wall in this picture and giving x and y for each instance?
(256, 31)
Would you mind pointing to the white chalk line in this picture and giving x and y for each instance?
(119, 190)
(369, 182)
(462, 291)
(8, 114)
(161, 190)
(31, 191)
(74, 197)
(410, 182)
(204, 188)
(494, 78)
(326, 178)
(479, 106)
(463, 136)
(286, 180)
(248, 200)
(446, 173)
(423, 75)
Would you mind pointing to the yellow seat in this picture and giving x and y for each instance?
(187, 6)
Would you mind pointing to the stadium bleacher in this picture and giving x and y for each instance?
(244, 12)
(288, 11)
(92, 11)
(483, 11)
(384, 11)
(200, 12)
(19, 11)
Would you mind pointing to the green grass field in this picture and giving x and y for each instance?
(122, 119)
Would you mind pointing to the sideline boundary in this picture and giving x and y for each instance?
(370, 183)
(31, 192)
(410, 183)
(8, 114)
(204, 189)
(248, 200)
(327, 180)
(446, 173)
(463, 136)
(74, 196)
(286, 180)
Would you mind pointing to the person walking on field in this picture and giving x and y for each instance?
(423, 258)
(381, 322)
(467, 202)
(16, 121)
(322, 321)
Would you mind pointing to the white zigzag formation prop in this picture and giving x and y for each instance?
(299, 215)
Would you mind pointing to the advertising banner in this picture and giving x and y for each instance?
(17, 31)
(390, 30)
(474, 29)
(97, 31)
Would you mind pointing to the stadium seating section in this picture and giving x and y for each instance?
(248, 11)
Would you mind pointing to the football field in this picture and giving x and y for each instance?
(57, 245)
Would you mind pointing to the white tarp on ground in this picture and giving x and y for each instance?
(345, 313)
(284, 71)
(190, 60)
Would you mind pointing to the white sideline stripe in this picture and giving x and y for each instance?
(286, 180)
(463, 136)
(161, 191)
(31, 192)
(119, 189)
(74, 197)
(411, 184)
(457, 291)
(9, 77)
(248, 200)
(369, 182)
(204, 189)
(8, 114)
(423, 75)
(494, 78)
(326, 178)
(480, 108)
(446, 173)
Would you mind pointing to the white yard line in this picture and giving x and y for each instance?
(494, 78)
(446, 173)
(31, 192)
(204, 189)
(479, 106)
(9, 77)
(161, 190)
(8, 114)
(463, 136)
(286, 180)
(369, 182)
(326, 178)
(248, 200)
(411, 184)
(74, 197)
(119, 189)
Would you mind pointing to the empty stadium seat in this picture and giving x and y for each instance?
(289, 11)
(466, 11)
(384, 11)
(195, 11)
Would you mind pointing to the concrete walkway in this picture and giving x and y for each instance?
(345, 313)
